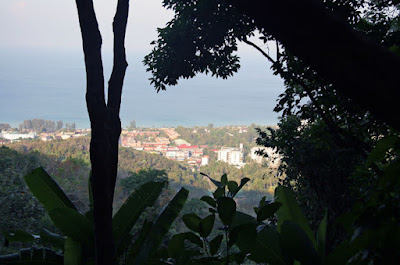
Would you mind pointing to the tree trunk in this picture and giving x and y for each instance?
(104, 120)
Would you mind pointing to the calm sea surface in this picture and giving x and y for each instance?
(51, 85)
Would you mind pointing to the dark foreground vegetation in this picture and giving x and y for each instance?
(338, 202)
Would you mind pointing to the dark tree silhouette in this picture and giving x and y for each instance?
(361, 69)
(104, 119)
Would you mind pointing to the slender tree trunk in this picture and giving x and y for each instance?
(104, 120)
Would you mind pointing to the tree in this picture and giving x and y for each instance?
(104, 119)
(315, 46)
(132, 125)
(205, 34)
(59, 125)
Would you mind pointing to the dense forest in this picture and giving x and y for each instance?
(67, 161)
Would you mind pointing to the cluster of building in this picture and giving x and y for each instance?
(12, 136)
(171, 147)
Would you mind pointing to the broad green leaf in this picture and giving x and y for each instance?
(298, 244)
(268, 210)
(133, 207)
(242, 218)
(73, 252)
(215, 244)
(47, 191)
(226, 209)
(162, 225)
(41, 256)
(134, 250)
(243, 182)
(291, 211)
(192, 222)
(224, 179)
(53, 239)
(232, 187)
(18, 236)
(264, 247)
(209, 200)
(176, 246)
(219, 193)
(260, 204)
(193, 238)
(321, 235)
(206, 225)
(72, 224)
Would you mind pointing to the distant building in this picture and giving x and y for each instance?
(16, 136)
(230, 155)
(205, 160)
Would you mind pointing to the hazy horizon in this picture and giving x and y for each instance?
(42, 72)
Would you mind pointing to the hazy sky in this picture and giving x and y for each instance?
(52, 25)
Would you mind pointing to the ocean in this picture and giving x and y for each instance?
(50, 85)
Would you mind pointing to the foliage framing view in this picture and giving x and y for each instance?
(331, 148)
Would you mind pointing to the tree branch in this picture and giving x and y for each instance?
(361, 69)
(338, 133)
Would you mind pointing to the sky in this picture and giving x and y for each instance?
(51, 25)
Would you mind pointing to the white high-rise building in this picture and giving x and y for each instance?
(230, 155)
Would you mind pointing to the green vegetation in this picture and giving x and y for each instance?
(215, 137)
(77, 244)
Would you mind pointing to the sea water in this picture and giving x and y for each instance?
(50, 85)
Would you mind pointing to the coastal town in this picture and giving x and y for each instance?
(166, 142)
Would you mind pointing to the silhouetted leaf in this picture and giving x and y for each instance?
(226, 209)
(134, 250)
(176, 246)
(264, 247)
(192, 222)
(298, 244)
(133, 207)
(224, 179)
(192, 237)
(162, 225)
(219, 193)
(267, 211)
(232, 187)
(243, 182)
(215, 244)
(206, 225)
(242, 218)
(72, 224)
(209, 200)
(47, 191)
(73, 252)
(291, 211)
